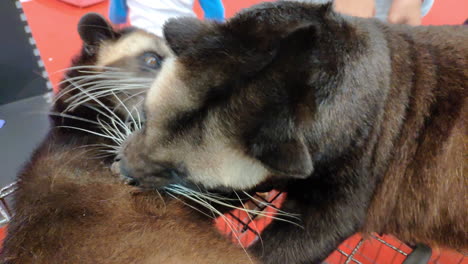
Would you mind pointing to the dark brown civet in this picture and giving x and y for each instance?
(362, 123)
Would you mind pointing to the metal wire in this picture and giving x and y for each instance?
(7, 190)
(5, 212)
(389, 245)
(349, 257)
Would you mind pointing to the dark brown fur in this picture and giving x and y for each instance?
(71, 209)
(423, 194)
(361, 122)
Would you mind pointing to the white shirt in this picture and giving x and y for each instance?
(151, 15)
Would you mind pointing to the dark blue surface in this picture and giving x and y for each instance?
(26, 125)
(20, 74)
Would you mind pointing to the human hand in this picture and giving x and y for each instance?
(359, 8)
(405, 12)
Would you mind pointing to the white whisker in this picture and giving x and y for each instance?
(253, 223)
(214, 210)
(112, 117)
(292, 215)
(125, 107)
(86, 130)
(273, 215)
(73, 117)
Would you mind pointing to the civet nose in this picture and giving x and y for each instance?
(119, 167)
(131, 181)
(148, 175)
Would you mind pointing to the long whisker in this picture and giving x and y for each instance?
(193, 207)
(125, 107)
(180, 189)
(110, 131)
(296, 216)
(139, 124)
(98, 75)
(227, 220)
(136, 104)
(86, 130)
(80, 67)
(214, 197)
(73, 117)
(253, 222)
(112, 117)
(102, 90)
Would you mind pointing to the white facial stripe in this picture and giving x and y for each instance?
(168, 93)
(130, 45)
(239, 172)
(219, 165)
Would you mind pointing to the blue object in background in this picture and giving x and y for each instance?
(213, 9)
(118, 11)
(2, 122)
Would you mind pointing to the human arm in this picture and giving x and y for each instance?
(359, 8)
(405, 12)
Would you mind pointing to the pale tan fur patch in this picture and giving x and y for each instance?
(212, 163)
(216, 162)
(221, 165)
(130, 45)
(168, 92)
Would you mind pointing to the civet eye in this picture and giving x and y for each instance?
(151, 60)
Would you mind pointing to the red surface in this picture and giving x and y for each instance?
(373, 251)
(82, 3)
(2, 234)
(447, 12)
(242, 227)
(53, 24)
